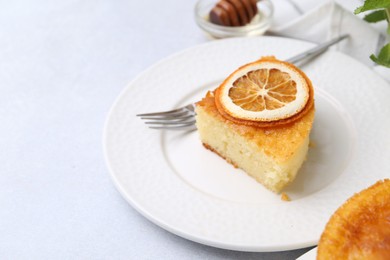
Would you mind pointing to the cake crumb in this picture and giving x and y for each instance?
(285, 197)
(312, 144)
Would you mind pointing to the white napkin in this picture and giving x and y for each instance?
(318, 24)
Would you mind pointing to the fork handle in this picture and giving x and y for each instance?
(316, 50)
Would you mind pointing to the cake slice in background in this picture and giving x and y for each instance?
(360, 228)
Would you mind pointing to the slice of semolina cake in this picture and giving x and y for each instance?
(273, 152)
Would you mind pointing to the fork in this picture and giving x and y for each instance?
(178, 119)
(184, 118)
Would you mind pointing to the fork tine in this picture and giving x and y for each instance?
(170, 122)
(174, 118)
(177, 119)
(162, 113)
(188, 126)
(176, 114)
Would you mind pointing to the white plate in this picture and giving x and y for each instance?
(174, 182)
(310, 255)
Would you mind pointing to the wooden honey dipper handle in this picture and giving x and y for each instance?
(233, 12)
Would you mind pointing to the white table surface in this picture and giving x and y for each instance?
(62, 64)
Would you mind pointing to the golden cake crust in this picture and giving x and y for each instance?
(278, 142)
(360, 228)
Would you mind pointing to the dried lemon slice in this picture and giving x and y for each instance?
(267, 90)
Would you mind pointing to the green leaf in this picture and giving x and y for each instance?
(388, 20)
(383, 57)
(372, 5)
(375, 16)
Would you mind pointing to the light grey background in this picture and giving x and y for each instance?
(62, 64)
